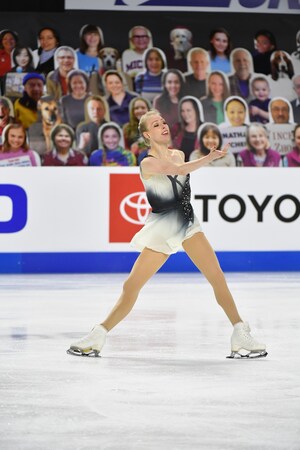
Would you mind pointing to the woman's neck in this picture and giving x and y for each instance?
(92, 51)
(173, 99)
(217, 98)
(15, 150)
(261, 152)
(191, 127)
(78, 96)
(159, 151)
(63, 151)
(118, 98)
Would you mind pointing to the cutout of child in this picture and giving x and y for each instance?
(210, 136)
(15, 150)
(111, 150)
(236, 120)
(259, 106)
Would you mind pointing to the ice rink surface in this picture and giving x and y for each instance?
(163, 381)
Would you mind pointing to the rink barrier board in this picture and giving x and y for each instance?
(121, 262)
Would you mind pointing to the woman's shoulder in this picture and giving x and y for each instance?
(140, 75)
(244, 152)
(274, 153)
(36, 156)
(96, 157)
(130, 94)
(175, 153)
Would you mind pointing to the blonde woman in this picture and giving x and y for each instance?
(171, 224)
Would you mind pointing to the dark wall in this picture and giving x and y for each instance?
(116, 24)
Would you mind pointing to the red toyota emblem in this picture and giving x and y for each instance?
(129, 207)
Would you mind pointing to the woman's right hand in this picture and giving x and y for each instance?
(216, 154)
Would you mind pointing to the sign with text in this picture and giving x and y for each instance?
(99, 209)
(235, 136)
(243, 6)
(281, 137)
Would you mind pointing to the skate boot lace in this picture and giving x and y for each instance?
(245, 334)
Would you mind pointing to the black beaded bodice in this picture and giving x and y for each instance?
(181, 199)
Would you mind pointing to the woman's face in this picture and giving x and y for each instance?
(47, 40)
(257, 138)
(236, 113)
(216, 85)
(23, 58)
(63, 140)
(92, 39)
(188, 112)
(211, 139)
(158, 129)
(4, 114)
(172, 84)
(114, 85)
(219, 42)
(154, 62)
(140, 108)
(66, 60)
(9, 42)
(263, 44)
(140, 39)
(297, 138)
(16, 138)
(78, 85)
(110, 138)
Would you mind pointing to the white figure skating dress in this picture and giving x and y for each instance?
(172, 219)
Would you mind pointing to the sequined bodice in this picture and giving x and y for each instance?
(166, 192)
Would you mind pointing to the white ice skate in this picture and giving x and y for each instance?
(243, 345)
(91, 344)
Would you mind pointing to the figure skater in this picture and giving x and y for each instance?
(170, 225)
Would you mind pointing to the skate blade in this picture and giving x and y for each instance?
(77, 352)
(250, 355)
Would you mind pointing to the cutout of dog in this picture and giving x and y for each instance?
(110, 58)
(39, 132)
(281, 65)
(181, 41)
(50, 115)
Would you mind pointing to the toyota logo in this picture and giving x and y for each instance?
(135, 208)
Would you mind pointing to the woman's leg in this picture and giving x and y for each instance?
(203, 256)
(146, 265)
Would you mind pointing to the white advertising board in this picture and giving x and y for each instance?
(100, 209)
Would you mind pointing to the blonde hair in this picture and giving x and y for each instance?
(143, 124)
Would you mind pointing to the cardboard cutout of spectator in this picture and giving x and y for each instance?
(48, 41)
(296, 103)
(181, 42)
(236, 121)
(219, 50)
(140, 39)
(39, 132)
(261, 92)
(282, 72)
(281, 125)
(198, 70)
